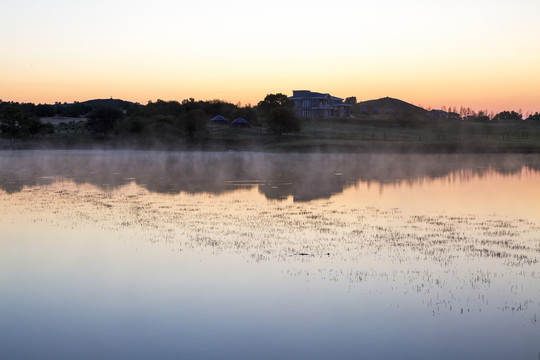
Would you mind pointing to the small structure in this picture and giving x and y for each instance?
(218, 119)
(57, 120)
(240, 122)
(438, 114)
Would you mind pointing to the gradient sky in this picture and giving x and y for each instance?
(480, 54)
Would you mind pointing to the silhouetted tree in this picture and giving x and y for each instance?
(217, 107)
(272, 101)
(31, 126)
(282, 120)
(46, 128)
(193, 121)
(10, 122)
(351, 100)
(482, 116)
(535, 117)
(103, 119)
(44, 110)
(507, 115)
(168, 121)
(277, 110)
(247, 112)
(160, 107)
(15, 124)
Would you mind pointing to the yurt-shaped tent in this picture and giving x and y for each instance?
(218, 119)
(240, 122)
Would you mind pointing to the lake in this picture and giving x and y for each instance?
(187, 255)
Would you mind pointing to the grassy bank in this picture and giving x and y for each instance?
(326, 135)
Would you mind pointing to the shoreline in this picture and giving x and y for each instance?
(285, 146)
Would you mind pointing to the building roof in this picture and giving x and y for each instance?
(218, 118)
(302, 94)
(240, 121)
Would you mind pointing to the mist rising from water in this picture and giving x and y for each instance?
(277, 176)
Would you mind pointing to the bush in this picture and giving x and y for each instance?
(282, 120)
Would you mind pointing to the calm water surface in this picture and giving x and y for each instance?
(241, 255)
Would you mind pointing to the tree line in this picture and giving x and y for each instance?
(159, 120)
(167, 121)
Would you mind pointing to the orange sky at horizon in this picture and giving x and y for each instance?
(238, 52)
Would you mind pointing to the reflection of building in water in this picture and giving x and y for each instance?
(304, 189)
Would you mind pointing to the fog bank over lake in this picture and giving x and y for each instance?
(303, 176)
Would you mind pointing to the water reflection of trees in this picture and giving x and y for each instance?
(277, 176)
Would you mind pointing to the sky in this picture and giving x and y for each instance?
(479, 54)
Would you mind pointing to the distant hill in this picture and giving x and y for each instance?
(115, 103)
(389, 106)
(84, 108)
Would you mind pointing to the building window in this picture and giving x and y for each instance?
(306, 103)
(306, 113)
